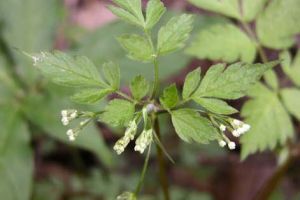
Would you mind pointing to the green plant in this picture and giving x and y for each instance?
(203, 123)
(273, 104)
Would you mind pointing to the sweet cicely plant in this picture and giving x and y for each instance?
(207, 120)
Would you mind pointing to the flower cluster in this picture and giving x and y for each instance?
(130, 132)
(67, 116)
(237, 128)
(143, 140)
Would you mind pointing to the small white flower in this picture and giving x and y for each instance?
(65, 121)
(222, 127)
(64, 113)
(73, 114)
(120, 145)
(83, 123)
(231, 145)
(71, 134)
(237, 123)
(143, 141)
(236, 133)
(246, 127)
(222, 143)
(131, 130)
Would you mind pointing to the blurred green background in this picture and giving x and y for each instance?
(36, 159)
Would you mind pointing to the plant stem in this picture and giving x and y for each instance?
(259, 47)
(161, 163)
(156, 78)
(146, 163)
(126, 97)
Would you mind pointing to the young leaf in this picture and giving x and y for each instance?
(226, 7)
(291, 69)
(170, 98)
(138, 47)
(112, 74)
(70, 71)
(191, 83)
(191, 126)
(155, 9)
(223, 41)
(290, 98)
(251, 9)
(270, 123)
(90, 96)
(173, 35)
(130, 10)
(279, 23)
(139, 87)
(233, 82)
(215, 106)
(118, 112)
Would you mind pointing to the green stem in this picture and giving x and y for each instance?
(253, 37)
(161, 164)
(146, 163)
(126, 97)
(156, 78)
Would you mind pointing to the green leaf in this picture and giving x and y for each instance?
(190, 126)
(251, 9)
(290, 98)
(137, 47)
(112, 74)
(216, 106)
(30, 26)
(90, 96)
(279, 23)
(130, 11)
(233, 82)
(291, 69)
(126, 16)
(118, 112)
(191, 83)
(222, 41)
(155, 9)
(69, 71)
(139, 87)
(44, 112)
(229, 8)
(16, 157)
(173, 35)
(270, 123)
(271, 79)
(169, 98)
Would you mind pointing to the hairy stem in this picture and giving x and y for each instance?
(146, 163)
(161, 164)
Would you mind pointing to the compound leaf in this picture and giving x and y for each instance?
(226, 7)
(137, 47)
(173, 35)
(191, 126)
(90, 96)
(139, 87)
(270, 123)
(223, 41)
(279, 23)
(290, 98)
(118, 112)
(233, 82)
(155, 9)
(111, 73)
(216, 106)
(170, 98)
(191, 83)
(67, 70)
